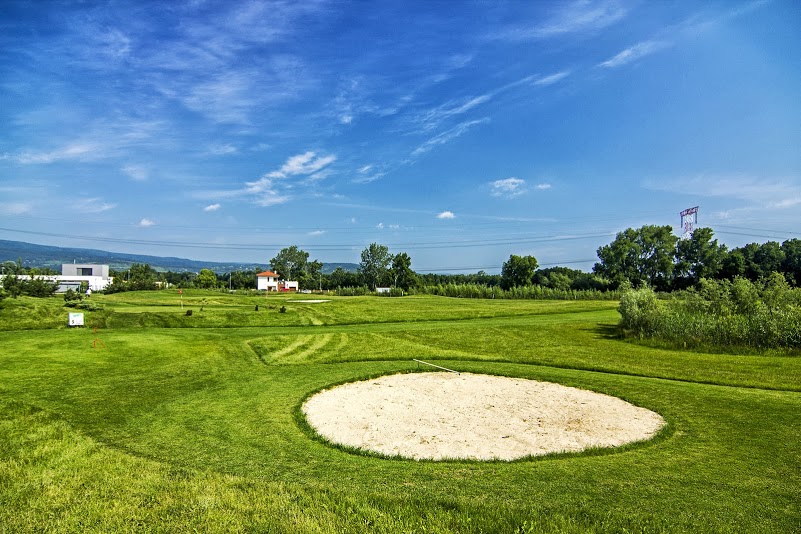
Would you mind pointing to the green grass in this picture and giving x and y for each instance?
(179, 425)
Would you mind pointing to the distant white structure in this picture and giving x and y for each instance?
(73, 274)
(689, 220)
(94, 274)
(381, 290)
(269, 281)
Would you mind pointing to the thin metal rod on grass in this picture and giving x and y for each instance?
(437, 366)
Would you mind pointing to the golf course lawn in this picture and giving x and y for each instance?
(150, 419)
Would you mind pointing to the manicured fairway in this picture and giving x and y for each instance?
(192, 422)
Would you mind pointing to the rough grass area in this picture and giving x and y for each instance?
(176, 428)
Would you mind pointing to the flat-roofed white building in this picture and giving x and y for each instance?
(95, 275)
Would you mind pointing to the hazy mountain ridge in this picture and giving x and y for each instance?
(41, 256)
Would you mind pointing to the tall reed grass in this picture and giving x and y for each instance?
(765, 315)
(478, 291)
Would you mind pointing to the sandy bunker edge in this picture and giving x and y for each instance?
(440, 416)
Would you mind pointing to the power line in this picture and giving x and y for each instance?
(787, 232)
(331, 247)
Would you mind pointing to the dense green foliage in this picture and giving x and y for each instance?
(190, 423)
(293, 263)
(738, 314)
(477, 291)
(374, 265)
(206, 279)
(31, 285)
(644, 255)
(403, 277)
(652, 255)
(518, 271)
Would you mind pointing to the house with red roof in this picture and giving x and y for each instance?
(270, 281)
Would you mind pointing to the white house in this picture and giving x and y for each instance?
(72, 274)
(94, 274)
(269, 281)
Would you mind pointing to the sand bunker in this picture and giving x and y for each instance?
(448, 416)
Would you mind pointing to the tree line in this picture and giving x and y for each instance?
(654, 256)
(650, 255)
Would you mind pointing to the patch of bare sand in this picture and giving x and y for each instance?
(467, 416)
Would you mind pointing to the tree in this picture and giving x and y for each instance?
(698, 257)
(141, 276)
(518, 271)
(402, 274)
(375, 264)
(792, 260)
(9, 267)
(644, 255)
(289, 261)
(293, 263)
(182, 279)
(38, 286)
(311, 276)
(243, 279)
(733, 265)
(206, 279)
(342, 278)
(768, 259)
(12, 285)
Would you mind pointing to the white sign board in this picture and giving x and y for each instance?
(689, 218)
(76, 319)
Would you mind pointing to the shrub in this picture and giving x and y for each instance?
(640, 311)
(70, 296)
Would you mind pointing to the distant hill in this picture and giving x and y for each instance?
(41, 256)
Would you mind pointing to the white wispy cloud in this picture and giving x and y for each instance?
(270, 189)
(553, 78)
(74, 151)
(446, 215)
(15, 208)
(92, 205)
(508, 187)
(633, 53)
(223, 150)
(577, 17)
(303, 164)
(772, 193)
(266, 192)
(212, 207)
(543, 186)
(136, 172)
(144, 223)
(316, 233)
(320, 175)
(367, 174)
(447, 136)
(432, 118)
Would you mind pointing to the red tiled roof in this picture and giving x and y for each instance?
(269, 273)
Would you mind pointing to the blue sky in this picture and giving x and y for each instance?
(458, 132)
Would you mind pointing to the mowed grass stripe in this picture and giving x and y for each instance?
(311, 352)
